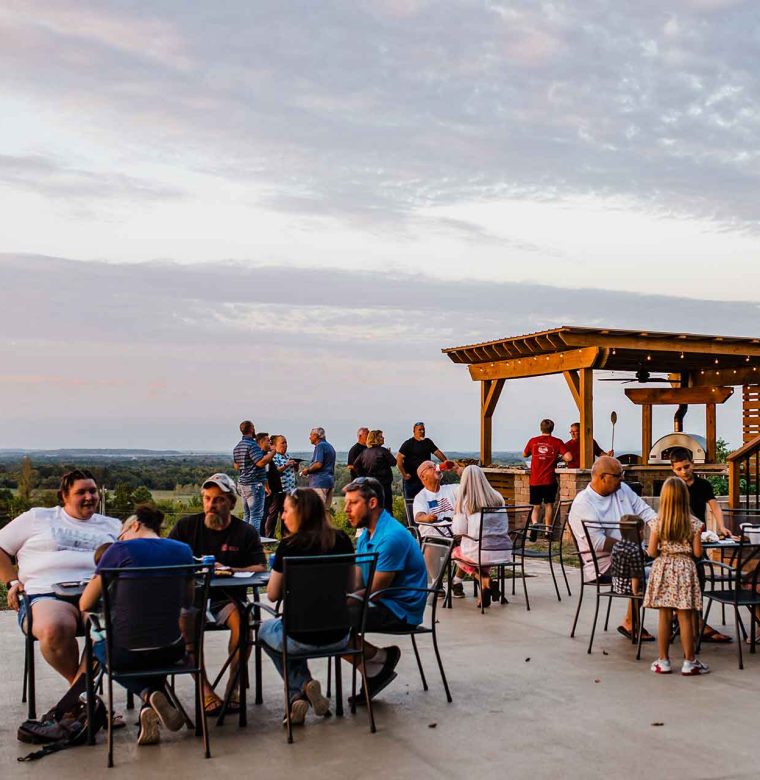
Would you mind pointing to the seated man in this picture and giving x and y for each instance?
(236, 545)
(399, 564)
(433, 505)
(606, 500)
(55, 544)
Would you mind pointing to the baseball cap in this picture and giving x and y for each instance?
(224, 482)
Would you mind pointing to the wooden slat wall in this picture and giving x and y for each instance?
(750, 412)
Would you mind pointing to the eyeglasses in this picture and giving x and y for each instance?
(417, 424)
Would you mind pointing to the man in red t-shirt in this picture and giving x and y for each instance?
(574, 447)
(544, 451)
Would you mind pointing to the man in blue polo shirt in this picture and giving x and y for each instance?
(321, 470)
(399, 564)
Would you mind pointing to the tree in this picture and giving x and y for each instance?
(26, 480)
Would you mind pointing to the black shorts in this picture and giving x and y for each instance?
(543, 494)
(379, 618)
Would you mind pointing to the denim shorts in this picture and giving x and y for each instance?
(21, 614)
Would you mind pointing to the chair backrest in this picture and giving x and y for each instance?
(560, 519)
(593, 530)
(494, 528)
(316, 588)
(143, 606)
(519, 525)
(409, 509)
(746, 563)
(443, 545)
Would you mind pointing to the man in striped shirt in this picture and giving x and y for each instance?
(251, 456)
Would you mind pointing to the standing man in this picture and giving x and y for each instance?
(242, 459)
(411, 455)
(605, 500)
(356, 450)
(544, 451)
(701, 496)
(321, 470)
(574, 447)
(235, 545)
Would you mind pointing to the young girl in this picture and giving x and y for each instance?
(673, 583)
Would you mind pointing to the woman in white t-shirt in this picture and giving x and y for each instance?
(476, 494)
(55, 544)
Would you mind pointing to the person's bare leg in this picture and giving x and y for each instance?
(686, 626)
(234, 624)
(548, 514)
(535, 515)
(663, 631)
(54, 624)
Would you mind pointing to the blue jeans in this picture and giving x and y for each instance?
(246, 492)
(271, 636)
(257, 510)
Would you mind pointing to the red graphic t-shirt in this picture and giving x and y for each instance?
(544, 452)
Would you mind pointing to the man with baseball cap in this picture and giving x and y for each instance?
(235, 545)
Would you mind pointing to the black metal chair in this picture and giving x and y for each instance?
(498, 562)
(742, 590)
(446, 545)
(411, 524)
(316, 595)
(553, 535)
(163, 592)
(28, 688)
(604, 590)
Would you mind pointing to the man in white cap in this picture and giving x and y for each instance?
(235, 545)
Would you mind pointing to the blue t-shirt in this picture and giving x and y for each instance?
(146, 608)
(399, 552)
(324, 453)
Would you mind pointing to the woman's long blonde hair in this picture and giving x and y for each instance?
(475, 492)
(675, 511)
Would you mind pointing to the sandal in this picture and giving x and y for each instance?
(212, 705)
(717, 638)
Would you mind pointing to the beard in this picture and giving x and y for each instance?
(215, 522)
(363, 521)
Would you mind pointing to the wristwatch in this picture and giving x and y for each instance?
(11, 583)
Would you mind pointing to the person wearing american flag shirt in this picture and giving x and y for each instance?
(433, 509)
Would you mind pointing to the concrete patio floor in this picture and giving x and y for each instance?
(528, 703)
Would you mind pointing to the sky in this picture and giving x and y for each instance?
(283, 210)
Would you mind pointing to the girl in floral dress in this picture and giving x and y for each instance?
(675, 542)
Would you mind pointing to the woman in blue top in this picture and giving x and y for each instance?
(139, 643)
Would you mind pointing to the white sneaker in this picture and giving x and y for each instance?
(320, 703)
(661, 666)
(694, 667)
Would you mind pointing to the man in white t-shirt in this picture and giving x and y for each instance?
(605, 500)
(433, 509)
(55, 544)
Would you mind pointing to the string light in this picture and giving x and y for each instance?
(682, 356)
(649, 357)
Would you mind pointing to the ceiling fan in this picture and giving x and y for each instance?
(642, 376)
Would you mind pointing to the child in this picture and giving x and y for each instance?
(628, 557)
(675, 541)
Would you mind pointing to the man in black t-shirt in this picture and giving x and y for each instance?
(701, 495)
(411, 454)
(356, 450)
(236, 545)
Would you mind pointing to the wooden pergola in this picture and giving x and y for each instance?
(702, 369)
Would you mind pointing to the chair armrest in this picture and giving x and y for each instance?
(91, 619)
(257, 604)
(382, 591)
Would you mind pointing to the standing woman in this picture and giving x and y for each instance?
(475, 494)
(309, 532)
(377, 462)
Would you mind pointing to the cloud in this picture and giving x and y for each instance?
(395, 106)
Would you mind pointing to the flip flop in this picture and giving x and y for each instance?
(645, 635)
(212, 706)
(717, 638)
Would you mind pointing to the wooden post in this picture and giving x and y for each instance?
(586, 393)
(490, 390)
(646, 432)
(734, 485)
(710, 432)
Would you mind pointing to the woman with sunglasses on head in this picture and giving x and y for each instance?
(309, 532)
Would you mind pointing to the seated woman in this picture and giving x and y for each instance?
(475, 494)
(138, 643)
(309, 532)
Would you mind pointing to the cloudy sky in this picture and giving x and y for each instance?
(283, 210)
